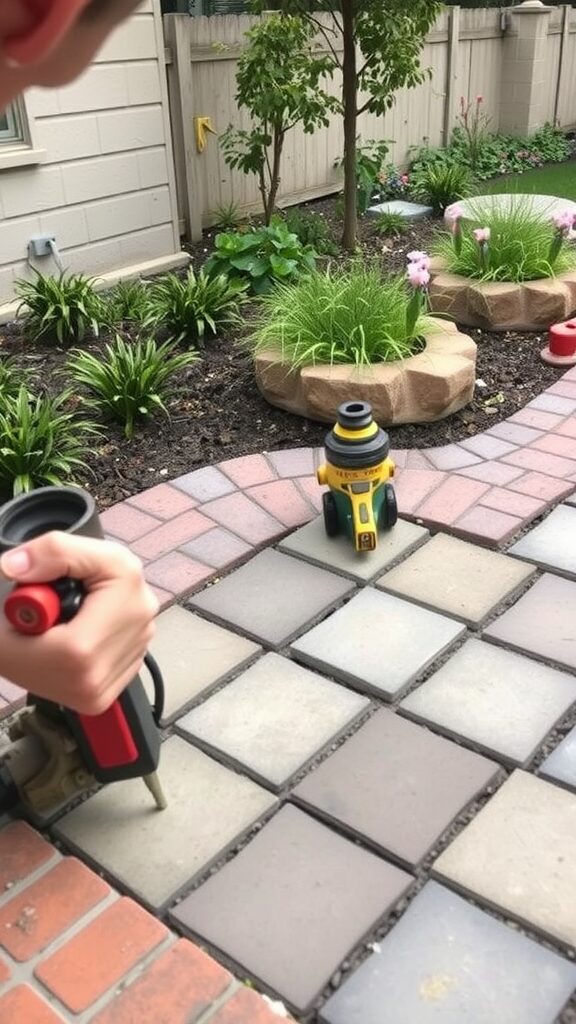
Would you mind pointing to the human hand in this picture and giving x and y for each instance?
(86, 663)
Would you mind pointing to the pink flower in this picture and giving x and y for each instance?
(418, 257)
(563, 221)
(479, 99)
(417, 275)
(481, 235)
(404, 179)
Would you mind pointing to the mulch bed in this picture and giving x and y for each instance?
(221, 414)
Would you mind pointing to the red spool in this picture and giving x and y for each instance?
(562, 338)
(32, 609)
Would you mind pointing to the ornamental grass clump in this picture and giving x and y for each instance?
(348, 315)
(515, 243)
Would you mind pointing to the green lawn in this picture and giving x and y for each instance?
(551, 180)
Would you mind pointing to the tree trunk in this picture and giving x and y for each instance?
(278, 146)
(349, 99)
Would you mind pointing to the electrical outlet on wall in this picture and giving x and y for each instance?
(41, 245)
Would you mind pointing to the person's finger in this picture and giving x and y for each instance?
(57, 554)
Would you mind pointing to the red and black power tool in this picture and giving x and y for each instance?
(55, 753)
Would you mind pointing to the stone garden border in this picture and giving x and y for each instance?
(428, 386)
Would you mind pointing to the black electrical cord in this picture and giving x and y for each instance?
(159, 688)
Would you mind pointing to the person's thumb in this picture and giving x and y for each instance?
(57, 554)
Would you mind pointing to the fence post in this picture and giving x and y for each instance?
(524, 68)
(188, 176)
(451, 74)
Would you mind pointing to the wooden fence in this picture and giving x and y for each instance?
(524, 68)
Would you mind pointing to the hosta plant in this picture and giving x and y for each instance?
(193, 307)
(60, 310)
(133, 380)
(348, 315)
(41, 441)
(261, 257)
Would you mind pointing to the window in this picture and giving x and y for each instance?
(18, 146)
(11, 126)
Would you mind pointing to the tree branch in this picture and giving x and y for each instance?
(323, 30)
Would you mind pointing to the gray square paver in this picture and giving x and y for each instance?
(274, 717)
(193, 656)
(446, 961)
(560, 765)
(552, 544)
(312, 543)
(377, 642)
(542, 622)
(272, 597)
(519, 855)
(293, 904)
(460, 579)
(397, 785)
(503, 702)
(156, 853)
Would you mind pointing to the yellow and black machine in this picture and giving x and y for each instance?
(361, 500)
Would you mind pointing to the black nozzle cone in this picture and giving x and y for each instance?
(361, 452)
(355, 415)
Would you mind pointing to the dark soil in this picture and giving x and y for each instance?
(221, 415)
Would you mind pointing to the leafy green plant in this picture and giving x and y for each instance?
(391, 223)
(392, 184)
(474, 123)
(261, 257)
(128, 303)
(226, 216)
(515, 242)
(11, 378)
(348, 315)
(441, 184)
(369, 160)
(190, 308)
(60, 309)
(42, 443)
(311, 230)
(133, 381)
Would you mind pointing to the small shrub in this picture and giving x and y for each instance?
(392, 184)
(128, 303)
(391, 223)
(369, 160)
(42, 443)
(226, 216)
(59, 309)
(192, 307)
(441, 184)
(11, 378)
(345, 316)
(311, 230)
(261, 257)
(517, 243)
(133, 381)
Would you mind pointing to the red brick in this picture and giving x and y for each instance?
(245, 1007)
(449, 501)
(512, 502)
(4, 971)
(412, 486)
(99, 956)
(244, 517)
(22, 851)
(172, 534)
(248, 470)
(177, 574)
(541, 486)
(283, 500)
(163, 501)
(536, 418)
(62, 896)
(487, 525)
(556, 444)
(312, 490)
(567, 428)
(540, 462)
(127, 523)
(492, 473)
(175, 989)
(21, 1005)
(292, 461)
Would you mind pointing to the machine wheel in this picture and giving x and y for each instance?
(331, 523)
(389, 509)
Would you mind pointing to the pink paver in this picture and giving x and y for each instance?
(292, 461)
(488, 447)
(172, 534)
(514, 432)
(417, 460)
(566, 388)
(218, 548)
(312, 490)
(513, 502)
(567, 428)
(553, 403)
(127, 523)
(454, 496)
(244, 517)
(177, 573)
(205, 484)
(284, 501)
(248, 470)
(163, 501)
(541, 462)
(536, 418)
(497, 473)
(541, 486)
(451, 456)
(412, 486)
(487, 525)
(556, 444)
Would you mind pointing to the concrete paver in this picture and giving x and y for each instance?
(194, 655)
(301, 593)
(377, 642)
(541, 622)
(396, 785)
(448, 961)
(560, 765)
(273, 718)
(518, 855)
(502, 702)
(457, 578)
(337, 553)
(552, 544)
(154, 854)
(291, 906)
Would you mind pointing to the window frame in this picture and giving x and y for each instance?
(17, 144)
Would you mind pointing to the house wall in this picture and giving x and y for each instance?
(105, 187)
